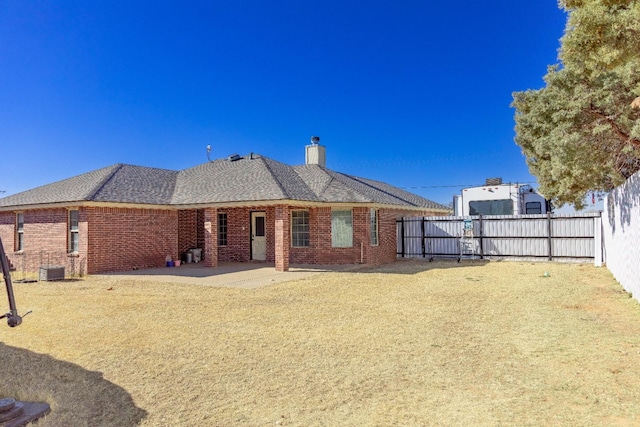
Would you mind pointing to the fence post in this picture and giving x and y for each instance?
(481, 227)
(549, 243)
(597, 240)
(402, 234)
(424, 250)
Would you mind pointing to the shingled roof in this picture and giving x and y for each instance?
(247, 179)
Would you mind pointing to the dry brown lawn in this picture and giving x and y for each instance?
(412, 343)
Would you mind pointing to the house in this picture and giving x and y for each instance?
(496, 198)
(240, 208)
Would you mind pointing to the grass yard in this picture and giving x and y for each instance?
(412, 343)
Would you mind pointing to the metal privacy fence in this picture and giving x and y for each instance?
(570, 237)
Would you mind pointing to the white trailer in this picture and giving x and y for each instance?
(496, 198)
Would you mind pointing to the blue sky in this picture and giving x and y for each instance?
(414, 93)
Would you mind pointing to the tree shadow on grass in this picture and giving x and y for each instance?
(77, 397)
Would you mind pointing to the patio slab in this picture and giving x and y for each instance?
(247, 275)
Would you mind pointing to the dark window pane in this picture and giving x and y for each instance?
(491, 207)
(260, 226)
(533, 207)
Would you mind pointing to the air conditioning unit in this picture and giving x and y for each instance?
(51, 272)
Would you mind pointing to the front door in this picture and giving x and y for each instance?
(258, 236)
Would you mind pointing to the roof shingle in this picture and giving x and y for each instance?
(248, 179)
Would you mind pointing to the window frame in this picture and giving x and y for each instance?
(491, 207)
(300, 237)
(336, 238)
(223, 229)
(73, 231)
(373, 226)
(538, 208)
(19, 242)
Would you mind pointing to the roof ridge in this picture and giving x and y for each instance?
(298, 169)
(331, 178)
(104, 182)
(273, 175)
(360, 180)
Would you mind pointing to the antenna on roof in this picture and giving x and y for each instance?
(208, 153)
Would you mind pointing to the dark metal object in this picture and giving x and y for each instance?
(13, 319)
(19, 414)
(14, 413)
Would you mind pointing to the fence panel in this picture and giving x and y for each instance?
(621, 232)
(547, 236)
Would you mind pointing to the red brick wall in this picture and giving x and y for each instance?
(282, 238)
(187, 230)
(45, 240)
(7, 228)
(238, 248)
(210, 249)
(386, 249)
(307, 255)
(123, 239)
(238, 235)
(321, 252)
(119, 239)
(190, 230)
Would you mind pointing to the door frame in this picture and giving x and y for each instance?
(252, 215)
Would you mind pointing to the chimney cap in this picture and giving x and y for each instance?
(315, 140)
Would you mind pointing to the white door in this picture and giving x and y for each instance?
(258, 236)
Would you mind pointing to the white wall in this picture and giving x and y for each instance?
(621, 232)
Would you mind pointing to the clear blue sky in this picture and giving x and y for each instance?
(414, 93)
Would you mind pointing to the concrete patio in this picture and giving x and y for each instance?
(247, 275)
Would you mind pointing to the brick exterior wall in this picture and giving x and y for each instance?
(122, 239)
(238, 247)
(210, 250)
(187, 230)
(320, 250)
(282, 238)
(46, 241)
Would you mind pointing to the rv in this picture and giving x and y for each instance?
(496, 198)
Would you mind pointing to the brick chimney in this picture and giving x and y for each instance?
(315, 154)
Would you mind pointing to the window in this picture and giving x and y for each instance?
(374, 227)
(19, 231)
(259, 227)
(341, 229)
(222, 229)
(533, 207)
(74, 232)
(491, 207)
(299, 228)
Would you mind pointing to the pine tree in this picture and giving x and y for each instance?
(581, 132)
